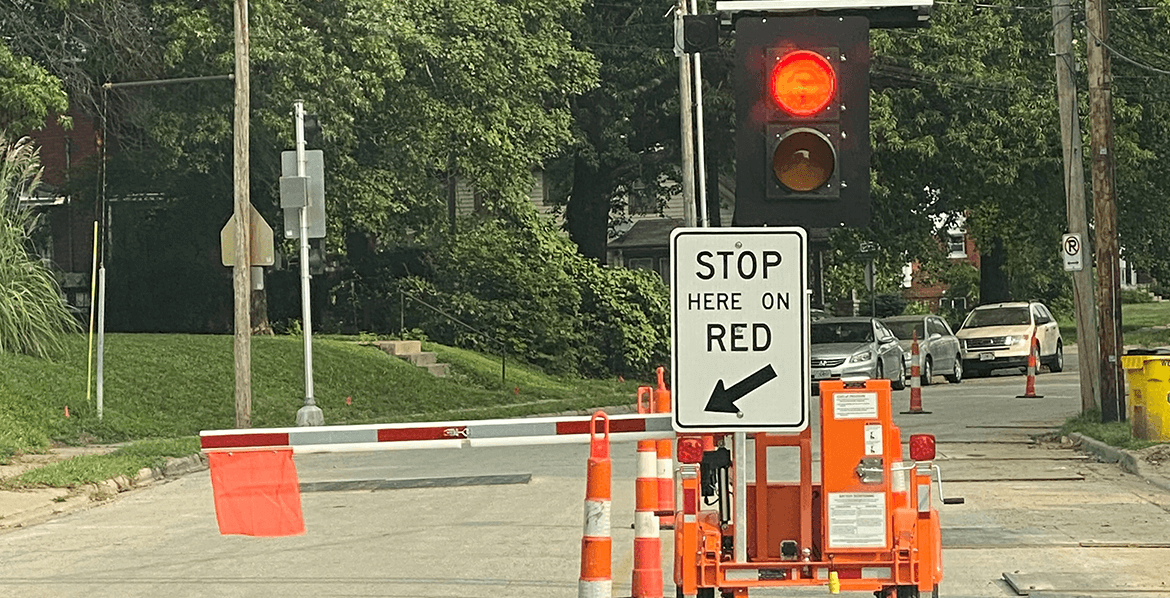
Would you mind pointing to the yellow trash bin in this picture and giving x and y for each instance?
(1148, 404)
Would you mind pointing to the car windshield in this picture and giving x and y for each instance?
(999, 316)
(906, 329)
(841, 332)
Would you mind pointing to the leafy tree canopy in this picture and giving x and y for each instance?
(28, 93)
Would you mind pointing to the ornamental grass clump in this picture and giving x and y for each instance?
(33, 315)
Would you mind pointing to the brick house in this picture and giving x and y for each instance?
(916, 286)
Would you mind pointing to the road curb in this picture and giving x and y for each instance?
(174, 467)
(1126, 459)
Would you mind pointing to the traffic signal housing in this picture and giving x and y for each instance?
(802, 121)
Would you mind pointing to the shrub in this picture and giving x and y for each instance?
(1136, 296)
(524, 285)
(33, 316)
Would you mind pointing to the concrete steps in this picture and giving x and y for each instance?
(412, 351)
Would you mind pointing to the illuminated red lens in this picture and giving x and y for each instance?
(922, 447)
(690, 450)
(803, 83)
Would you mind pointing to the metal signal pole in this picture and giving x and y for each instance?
(685, 82)
(309, 414)
(1074, 185)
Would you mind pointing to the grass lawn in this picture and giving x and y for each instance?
(165, 388)
(1137, 322)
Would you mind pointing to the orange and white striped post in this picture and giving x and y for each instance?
(647, 576)
(596, 544)
(915, 378)
(1030, 385)
(665, 458)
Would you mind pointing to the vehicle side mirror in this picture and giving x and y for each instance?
(935, 336)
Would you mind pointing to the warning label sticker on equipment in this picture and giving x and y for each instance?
(857, 520)
(855, 405)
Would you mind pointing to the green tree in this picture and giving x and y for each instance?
(33, 316)
(408, 93)
(28, 93)
(625, 148)
(965, 122)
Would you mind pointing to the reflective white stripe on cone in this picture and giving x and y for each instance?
(647, 574)
(596, 545)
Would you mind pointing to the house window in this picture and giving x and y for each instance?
(640, 263)
(956, 245)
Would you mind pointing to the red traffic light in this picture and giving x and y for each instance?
(803, 83)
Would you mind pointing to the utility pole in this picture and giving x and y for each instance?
(685, 81)
(1074, 186)
(242, 271)
(1105, 214)
(697, 97)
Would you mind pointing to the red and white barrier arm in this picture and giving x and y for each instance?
(420, 435)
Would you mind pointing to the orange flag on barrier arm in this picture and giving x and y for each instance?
(256, 493)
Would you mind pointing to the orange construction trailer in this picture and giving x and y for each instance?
(867, 523)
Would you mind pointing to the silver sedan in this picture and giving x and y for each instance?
(856, 348)
(938, 349)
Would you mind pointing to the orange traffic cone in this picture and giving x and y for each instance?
(665, 458)
(647, 576)
(596, 544)
(1030, 385)
(915, 378)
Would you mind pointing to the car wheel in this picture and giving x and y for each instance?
(956, 375)
(927, 371)
(1057, 363)
(899, 382)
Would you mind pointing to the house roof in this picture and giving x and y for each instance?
(652, 232)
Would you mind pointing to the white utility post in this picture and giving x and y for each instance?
(310, 414)
(700, 152)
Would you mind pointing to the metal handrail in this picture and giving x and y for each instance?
(402, 327)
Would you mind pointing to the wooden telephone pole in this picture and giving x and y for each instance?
(242, 272)
(1074, 184)
(1105, 214)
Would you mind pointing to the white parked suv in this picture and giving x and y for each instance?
(998, 336)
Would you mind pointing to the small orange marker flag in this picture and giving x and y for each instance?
(67, 411)
(349, 400)
(256, 493)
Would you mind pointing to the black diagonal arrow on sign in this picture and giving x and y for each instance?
(723, 399)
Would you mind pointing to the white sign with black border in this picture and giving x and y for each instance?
(1073, 251)
(739, 329)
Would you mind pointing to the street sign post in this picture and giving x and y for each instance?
(1073, 252)
(739, 334)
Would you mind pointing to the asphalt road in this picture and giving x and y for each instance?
(1044, 514)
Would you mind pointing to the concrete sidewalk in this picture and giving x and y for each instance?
(22, 508)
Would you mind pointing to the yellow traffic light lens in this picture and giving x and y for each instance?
(803, 83)
(804, 160)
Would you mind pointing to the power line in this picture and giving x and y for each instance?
(1114, 51)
